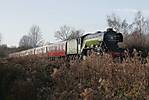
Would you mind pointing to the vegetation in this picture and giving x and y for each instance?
(67, 33)
(136, 33)
(33, 39)
(92, 79)
(96, 78)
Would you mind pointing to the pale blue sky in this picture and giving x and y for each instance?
(17, 16)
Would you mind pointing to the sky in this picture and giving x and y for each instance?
(18, 16)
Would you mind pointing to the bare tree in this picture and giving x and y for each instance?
(116, 23)
(0, 38)
(140, 24)
(137, 30)
(25, 42)
(75, 34)
(35, 35)
(47, 43)
(67, 33)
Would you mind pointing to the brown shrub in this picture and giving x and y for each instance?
(96, 78)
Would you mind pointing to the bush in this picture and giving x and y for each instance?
(24, 79)
(95, 78)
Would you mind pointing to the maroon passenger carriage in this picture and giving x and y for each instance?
(56, 50)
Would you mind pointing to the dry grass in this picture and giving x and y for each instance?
(96, 78)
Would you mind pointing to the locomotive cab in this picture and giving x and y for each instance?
(102, 42)
(91, 42)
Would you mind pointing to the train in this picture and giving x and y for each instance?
(99, 42)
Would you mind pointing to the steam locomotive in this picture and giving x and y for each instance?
(98, 42)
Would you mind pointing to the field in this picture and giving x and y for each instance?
(96, 78)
